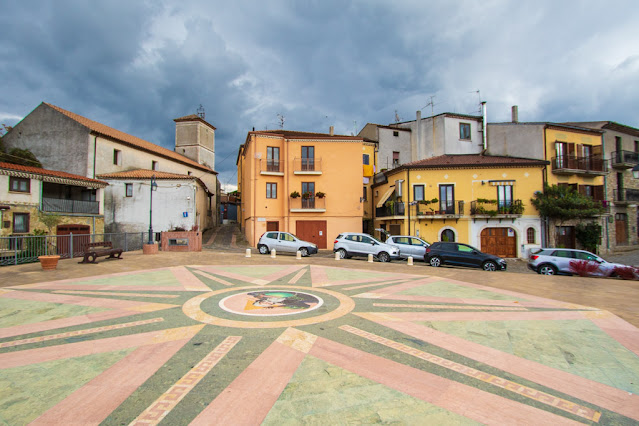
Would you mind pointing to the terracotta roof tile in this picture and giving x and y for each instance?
(128, 139)
(473, 160)
(144, 174)
(304, 135)
(47, 172)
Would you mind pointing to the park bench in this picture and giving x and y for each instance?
(95, 250)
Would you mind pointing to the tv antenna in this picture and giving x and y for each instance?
(281, 119)
(478, 100)
(431, 104)
(397, 117)
(200, 112)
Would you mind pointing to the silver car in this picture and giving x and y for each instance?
(356, 244)
(551, 261)
(284, 242)
(409, 246)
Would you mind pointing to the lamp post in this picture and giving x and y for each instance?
(154, 187)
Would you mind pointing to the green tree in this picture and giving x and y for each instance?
(50, 220)
(562, 203)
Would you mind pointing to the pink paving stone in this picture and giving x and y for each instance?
(462, 399)
(73, 300)
(261, 384)
(188, 280)
(318, 275)
(597, 393)
(279, 274)
(93, 402)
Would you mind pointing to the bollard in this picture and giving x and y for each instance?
(298, 255)
(410, 260)
(337, 256)
(248, 253)
(370, 258)
(273, 254)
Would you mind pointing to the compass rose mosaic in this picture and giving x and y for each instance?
(307, 344)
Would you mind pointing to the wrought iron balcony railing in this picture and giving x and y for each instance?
(625, 195)
(307, 165)
(57, 205)
(625, 159)
(496, 208)
(572, 164)
(391, 209)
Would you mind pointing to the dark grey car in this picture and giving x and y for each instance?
(459, 254)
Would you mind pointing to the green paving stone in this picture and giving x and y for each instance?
(162, 278)
(576, 346)
(321, 393)
(19, 312)
(446, 289)
(347, 274)
(260, 272)
(27, 392)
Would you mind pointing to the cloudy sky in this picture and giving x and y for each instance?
(135, 65)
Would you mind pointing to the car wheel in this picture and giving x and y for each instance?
(489, 266)
(547, 269)
(263, 249)
(435, 261)
(304, 251)
(342, 253)
(383, 257)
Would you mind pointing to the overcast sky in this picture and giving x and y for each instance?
(137, 65)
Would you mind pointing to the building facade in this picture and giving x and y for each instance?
(310, 184)
(476, 199)
(62, 140)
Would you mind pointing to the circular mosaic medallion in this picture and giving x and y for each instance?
(270, 303)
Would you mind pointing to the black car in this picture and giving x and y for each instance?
(444, 253)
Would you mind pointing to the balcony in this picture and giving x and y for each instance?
(58, 205)
(308, 205)
(575, 165)
(391, 209)
(494, 209)
(307, 166)
(625, 196)
(271, 167)
(624, 159)
(449, 210)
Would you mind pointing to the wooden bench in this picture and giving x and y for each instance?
(95, 250)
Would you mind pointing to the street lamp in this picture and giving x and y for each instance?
(635, 172)
(154, 187)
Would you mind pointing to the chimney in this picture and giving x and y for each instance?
(331, 130)
(515, 114)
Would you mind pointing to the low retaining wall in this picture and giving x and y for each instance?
(182, 241)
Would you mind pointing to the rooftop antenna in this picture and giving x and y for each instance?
(478, 99)
(397, 117)
(281, 119)
(200, 112)
(431, 103)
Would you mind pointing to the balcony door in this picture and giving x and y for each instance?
(447, 198)
(272, 159)
(308, 195)
(504, 196)
(308, 158)
(564, 152)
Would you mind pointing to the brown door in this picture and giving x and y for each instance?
(501, 242)
(621, 228)
(313, 231)
(272, 226)
(566, 236)
(80, 239)
(395, 229)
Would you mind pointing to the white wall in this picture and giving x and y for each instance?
(520, 226)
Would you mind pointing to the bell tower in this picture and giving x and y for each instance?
(195, 138)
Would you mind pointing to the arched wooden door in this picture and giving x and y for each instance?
(501, 242)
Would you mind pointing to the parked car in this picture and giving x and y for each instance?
(408, 246)
(284, 242)
(350, 244)
(447, 253)
(551, 261)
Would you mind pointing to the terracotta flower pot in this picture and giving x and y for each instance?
(49, 263)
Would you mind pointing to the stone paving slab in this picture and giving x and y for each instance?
(234, 340)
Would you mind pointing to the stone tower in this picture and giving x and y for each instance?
(195, 139)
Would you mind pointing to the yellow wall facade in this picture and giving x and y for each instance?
(578, 138)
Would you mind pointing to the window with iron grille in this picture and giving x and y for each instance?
(21, 223)
(530, 233)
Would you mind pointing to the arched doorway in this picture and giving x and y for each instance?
(448, 235)
(501, 242)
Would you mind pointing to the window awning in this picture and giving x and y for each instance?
(385, 196)
(502, 182)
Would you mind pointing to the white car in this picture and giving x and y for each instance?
(551, 261)
(284, 242)
(350, 244)
(409, 246)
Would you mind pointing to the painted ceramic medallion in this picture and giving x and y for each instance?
(270, 303)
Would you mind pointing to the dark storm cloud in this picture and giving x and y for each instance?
(137, 65)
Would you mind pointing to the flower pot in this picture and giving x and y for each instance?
(49, 263)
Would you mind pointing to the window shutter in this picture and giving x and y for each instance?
(598, 192)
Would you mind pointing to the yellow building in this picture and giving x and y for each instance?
(476, 199)
(309, 184)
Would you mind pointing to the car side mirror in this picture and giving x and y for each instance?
(475, 252)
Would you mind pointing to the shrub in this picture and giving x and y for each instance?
(627, 272)
(583, 268)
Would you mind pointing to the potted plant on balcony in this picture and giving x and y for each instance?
(320, 194)
(307, 195)
(295, 194)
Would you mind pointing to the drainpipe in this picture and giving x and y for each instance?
(255, 164)
(408, 190)
(603, 153)
(95, 150)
